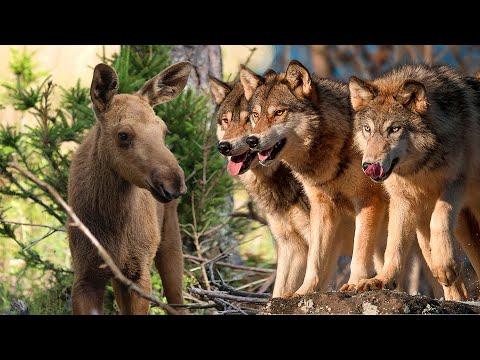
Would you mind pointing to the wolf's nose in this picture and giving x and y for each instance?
(252, 141)
(224, 147)
(365, 165)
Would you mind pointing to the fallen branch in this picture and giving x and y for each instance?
(223, 286)
(234, 266)
(193, 306)
(268, 283)
(101, 250)
(228, 308)
(223, 295)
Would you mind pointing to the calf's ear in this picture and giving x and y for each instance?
(166, 85)
(104, 87)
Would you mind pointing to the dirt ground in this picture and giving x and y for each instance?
(368, 303)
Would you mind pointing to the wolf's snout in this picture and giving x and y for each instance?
(373, 170)
(224, 147)
(252, 141)
(365, 165)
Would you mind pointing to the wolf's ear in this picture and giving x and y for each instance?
(269, 74)
(250, 81)
(361, 92)
(167, 85)
(104, 87)
(219, 89)
(413, 96)
(297, 75)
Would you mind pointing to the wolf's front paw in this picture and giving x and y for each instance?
(376, 284)
(289, 295)
(348, 287)
(446, 271)
(370, 284)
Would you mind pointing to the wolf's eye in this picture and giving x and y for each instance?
(366, 128)
(225, 120)
(279, 112)
(255, 114)
(394, 129)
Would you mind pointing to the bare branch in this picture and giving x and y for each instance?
(34, 225)
(193, 306)
(234, 266)
(101, 250)
(31, 195)
(196, 242)
(229, 308)
(50, 232)
(251, 214)
(223, 295)
(252, 51)
(223, 286)
(268, 283)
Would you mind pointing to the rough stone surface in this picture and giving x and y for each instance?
(368, 303)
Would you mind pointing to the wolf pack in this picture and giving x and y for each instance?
(373, 169)
(379, 170)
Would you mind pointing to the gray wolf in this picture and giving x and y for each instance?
(418, 127)
(307, 123)
(274, 189)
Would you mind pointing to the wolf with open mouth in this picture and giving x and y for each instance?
(275, 190)
(307, 123)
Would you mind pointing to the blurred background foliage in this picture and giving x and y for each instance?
(45, 111)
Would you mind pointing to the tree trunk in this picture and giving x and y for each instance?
(320, 60)
(205, 58)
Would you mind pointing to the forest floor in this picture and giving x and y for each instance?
(368, 303)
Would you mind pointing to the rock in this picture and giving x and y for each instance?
(367, 303)
(18, 307)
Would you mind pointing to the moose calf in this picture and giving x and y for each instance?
(123, 183)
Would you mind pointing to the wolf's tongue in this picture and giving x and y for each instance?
(233, 168)
(263, 155)
(374, 171)
(235, 164)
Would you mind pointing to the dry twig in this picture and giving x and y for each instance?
(251, 214)
(223, 286)
(224, 295)
(234, 266)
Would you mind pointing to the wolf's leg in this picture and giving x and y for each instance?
(324, 219)
(292, 256)
(368, 223)
(380, 245)
(401, 233)
(468, 235)
(445, 266)
(455, 292)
